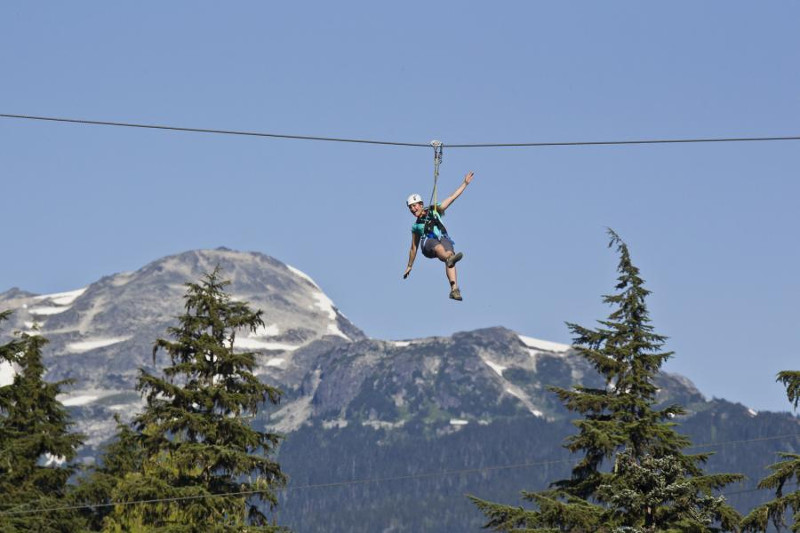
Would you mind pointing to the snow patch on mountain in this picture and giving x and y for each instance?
(302, 275)
(494, 366)
(546, 346)
(256, 340)
(333, 329)
(325, 304)
(79, 400)
(62, 298)
(338, 423)
(94, 344)
(383, 424)
(515, 391)
(7, 373)
(86, 396)
(46, 305)
(47, 310)
(250, 343)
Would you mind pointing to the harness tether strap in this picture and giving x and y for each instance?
(437, 160)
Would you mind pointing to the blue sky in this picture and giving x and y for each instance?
(713, 227)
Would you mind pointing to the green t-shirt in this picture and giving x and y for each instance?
(419, 226)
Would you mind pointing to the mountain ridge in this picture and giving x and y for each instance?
(355, 407)
(100, 335)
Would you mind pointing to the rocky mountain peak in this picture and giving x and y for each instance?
(102, 334)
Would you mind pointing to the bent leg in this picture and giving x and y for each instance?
(441, 252)
(450, 271)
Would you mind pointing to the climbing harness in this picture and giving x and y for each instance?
(431, 218)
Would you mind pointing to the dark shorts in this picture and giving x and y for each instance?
(430, 244)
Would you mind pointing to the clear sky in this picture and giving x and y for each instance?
(713, 227)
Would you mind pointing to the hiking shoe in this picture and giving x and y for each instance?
(455, 294)
(453, 259)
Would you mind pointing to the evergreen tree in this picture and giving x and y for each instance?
(201, 460)
(633, 475)
(655, 494)
(783, 472)
(93, 493)
(36, 446)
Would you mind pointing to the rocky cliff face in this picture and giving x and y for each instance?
(446, 383)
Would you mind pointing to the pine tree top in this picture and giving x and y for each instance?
(36, 445)
(194, 437)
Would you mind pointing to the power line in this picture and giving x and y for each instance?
(365, 481)
(394, 143)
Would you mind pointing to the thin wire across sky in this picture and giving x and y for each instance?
(397, 143)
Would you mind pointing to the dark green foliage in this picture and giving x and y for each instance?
(633, 473)
(784, 472)
(791, 380)
(36, 446)
(640, 487)
(435, 503)
(122, 456)
(419, 482)
(209, 469)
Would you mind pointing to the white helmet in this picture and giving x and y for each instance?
(414, 199)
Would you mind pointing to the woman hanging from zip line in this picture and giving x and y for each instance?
(429, 229)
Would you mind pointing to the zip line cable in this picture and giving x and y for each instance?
(393, 143)
(373, 480)
(206, 130)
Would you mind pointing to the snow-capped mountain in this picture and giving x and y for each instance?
(102, 334)
(331, 373)
(355, 407)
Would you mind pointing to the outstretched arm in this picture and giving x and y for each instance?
(450, 199)
(412, 254)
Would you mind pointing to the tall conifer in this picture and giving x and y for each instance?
(202, 462)
(36, 445)
(627, 443)
(785, 472)
(119, 458)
